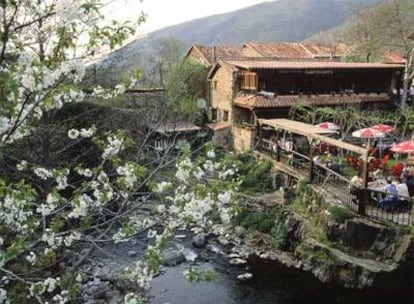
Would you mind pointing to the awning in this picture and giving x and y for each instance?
(215, 126)
(282, 101)
(310, 131)
(295, 126)
(176, 127)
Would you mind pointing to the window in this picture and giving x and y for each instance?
(249, 81)
(214, 114)
(215, 84)
(225, 115)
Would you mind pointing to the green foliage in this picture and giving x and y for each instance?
(279, 235)
(255, 174)
(268, 221)
(305, 195)
(255, 221)
(196, 275)
(339, 214)
(184, 85)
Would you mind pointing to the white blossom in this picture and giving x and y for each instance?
(224, 197)
(31, 258)
(22, 165)
(87, 132)
(152, 233)
(114, 146)
(161, 208)
(3, 295)
(211, 154)
(161, 187)
(74, 236)
(4, 124)
(73, 134)
(50, 284)
(43, 173)
(87, 172)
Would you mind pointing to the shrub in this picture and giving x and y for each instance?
(339, 214)
(261, 221)
(279, 235)
(256, 174)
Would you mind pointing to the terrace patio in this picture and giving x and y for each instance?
(291, 147)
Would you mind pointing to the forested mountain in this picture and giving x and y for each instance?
(282, 20)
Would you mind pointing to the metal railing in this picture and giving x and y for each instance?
(397, 210)
(365, 202)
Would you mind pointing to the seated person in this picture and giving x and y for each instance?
(378, 173)
(356, 182)
(402, 189)
(332, 165)
(391, 195)
(317, 160)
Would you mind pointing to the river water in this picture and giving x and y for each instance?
(271, 283)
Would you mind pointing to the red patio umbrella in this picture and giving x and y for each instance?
(328, 125)
(403, 147)
(384, 128)
(368, 133)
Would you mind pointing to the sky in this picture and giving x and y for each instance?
(162, 13)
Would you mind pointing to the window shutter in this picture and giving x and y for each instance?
(249, 81)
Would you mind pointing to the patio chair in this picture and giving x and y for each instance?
(354, 162)
(397, 169)
(375, 164)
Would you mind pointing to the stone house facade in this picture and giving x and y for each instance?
(263, 80)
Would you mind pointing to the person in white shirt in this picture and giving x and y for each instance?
(402, 189)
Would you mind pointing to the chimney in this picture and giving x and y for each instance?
(332, 53)
(213, 54)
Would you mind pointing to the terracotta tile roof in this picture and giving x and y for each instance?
(289, 65)
(259, 101)
(222, 51)
(394, 58)
(283, 50)
(296, 50)
(324, 50)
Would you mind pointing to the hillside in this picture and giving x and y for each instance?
(282, 20)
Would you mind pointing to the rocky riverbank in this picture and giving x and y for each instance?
(354, 258)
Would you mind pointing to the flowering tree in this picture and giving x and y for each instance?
(51, 208)
(46, 211)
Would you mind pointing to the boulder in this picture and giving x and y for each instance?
(361, 234)
(333, 231)
(173, 257)
(199, 240)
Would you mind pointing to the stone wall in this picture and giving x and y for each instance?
(221, 88)
(243, 138)
(221, 137)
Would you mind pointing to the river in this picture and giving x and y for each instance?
(272, 283)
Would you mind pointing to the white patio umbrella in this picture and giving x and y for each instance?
(384, 128)
(403, 147)
(368, 133)
(329, 125)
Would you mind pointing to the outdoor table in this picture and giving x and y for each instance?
(378, 189)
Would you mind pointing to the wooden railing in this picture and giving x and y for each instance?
(362, 201)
